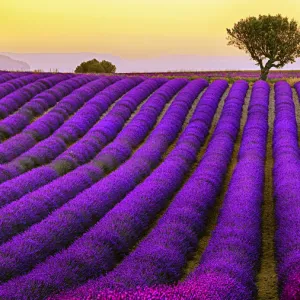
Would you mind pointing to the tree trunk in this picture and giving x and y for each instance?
(264, 74)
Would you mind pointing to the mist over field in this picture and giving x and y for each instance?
(7, 63)
(66, 62)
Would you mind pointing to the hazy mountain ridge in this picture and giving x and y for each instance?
(64, 62)
(8, 63)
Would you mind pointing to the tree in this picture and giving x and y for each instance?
(94, 66)
(271, 41)
(108, 66)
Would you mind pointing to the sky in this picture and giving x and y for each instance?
(129, 28)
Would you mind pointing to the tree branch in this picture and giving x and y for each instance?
(276, 65)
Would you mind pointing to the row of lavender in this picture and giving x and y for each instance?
(83, 213)
(161, 256)
(228, 265)
(44, 126)
(93, 205)
(87, 204)
(286, 174)
(59, 191)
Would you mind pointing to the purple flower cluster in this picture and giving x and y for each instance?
(228, 265)
(13, 189)
(41, 202)
(86, 209)
(15, 100)
(42, 128)
(4, 77)
(39, 104)
(286, 175)
(68, 106)
(234, 248)
(160, 257)
(11, 149)
(106, 130)
(101, 196)
(203, 289)
(13, 85)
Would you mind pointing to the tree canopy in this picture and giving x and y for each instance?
(94, 66)
(271, 41)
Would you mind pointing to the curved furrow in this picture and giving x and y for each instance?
(12, 190)
(213, 212)
(161, 256)
(116, 187)
(38, 105)
(112, 187)
(296, 98)
(129, 138)
(13, 85)
(231, 258)
(286, 176)
(10, 149)
(228, 265)
(41, 202)
(12, 102)
(99, 135)
(9, 76)
(45, 126)
(267, 280)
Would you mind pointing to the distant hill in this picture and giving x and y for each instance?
(64, 62)
(7, 63)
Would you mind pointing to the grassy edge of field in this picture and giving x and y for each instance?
(266, 278)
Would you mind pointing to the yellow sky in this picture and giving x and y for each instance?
(129, 28)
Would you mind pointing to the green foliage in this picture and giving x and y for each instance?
(94, 66)
(271, 41)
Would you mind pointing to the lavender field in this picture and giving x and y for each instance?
(129, 187)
